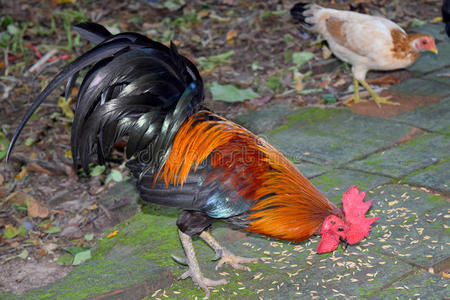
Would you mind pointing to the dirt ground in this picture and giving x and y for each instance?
(66, 211)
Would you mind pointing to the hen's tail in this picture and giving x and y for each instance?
(305, 13)
(135, 87)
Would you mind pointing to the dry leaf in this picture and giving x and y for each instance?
(298, 77)
(56, 2)
(2, 180)
(19, 197)
(203, 13)
(37, 168)
(37, 209)
(231, 35)
(22, 174)
(340, 82)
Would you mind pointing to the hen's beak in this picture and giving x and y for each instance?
(434, 50)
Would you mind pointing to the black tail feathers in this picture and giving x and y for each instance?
(297, 13)
(446, 16)
(134, 87)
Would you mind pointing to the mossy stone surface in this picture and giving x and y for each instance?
(406, 158)
(436, 177)
(434, 117)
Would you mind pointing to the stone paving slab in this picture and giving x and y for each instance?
(311, 170)
(412, 226)
(441, 76)
(339, 134)
(436, 177)
(416, 154)
(423, 241)
(421, 87)
(434, 117)
(263, 119)
(419, 285)
(335, 182)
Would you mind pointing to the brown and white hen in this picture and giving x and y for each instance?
(366, 42)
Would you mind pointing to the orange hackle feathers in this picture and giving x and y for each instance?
(285, 204)
(194, 142)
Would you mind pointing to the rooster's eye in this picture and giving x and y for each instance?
(340, 228)
(424, 42)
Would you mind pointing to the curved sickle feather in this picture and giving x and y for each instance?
(95, 54)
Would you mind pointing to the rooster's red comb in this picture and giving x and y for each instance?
(355, 209)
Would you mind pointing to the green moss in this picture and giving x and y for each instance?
(313, 114)
(438, 225)
(144, 229)
(434, 167)
(308, 116)
(326, 182)
(278, 129)
(434, 199)
(410, 219)
(373, 162)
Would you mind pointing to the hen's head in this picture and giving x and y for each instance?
(424, 42)
(351, 230)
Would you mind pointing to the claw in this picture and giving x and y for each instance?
(218, 255)
(226, 257)
(202, 282)
(379, 100)
(180, 260)
(235, 261)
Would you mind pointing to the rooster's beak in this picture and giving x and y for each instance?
(434, 50)
(344, 241)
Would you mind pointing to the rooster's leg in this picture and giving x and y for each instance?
(379, 100)
(226, 257)
(194, 269)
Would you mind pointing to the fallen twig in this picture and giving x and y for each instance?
(41, 62)
(54, 167)
(444, 75)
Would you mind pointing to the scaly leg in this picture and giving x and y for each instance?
(194, 269)
(355, 98)
(226, 257)
(379, 100)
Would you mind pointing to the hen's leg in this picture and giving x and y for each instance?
(226, 257)
(379, 100)
(355, 98)
(194, 269)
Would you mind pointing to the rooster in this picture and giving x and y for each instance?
(366, 42)
(185, 156)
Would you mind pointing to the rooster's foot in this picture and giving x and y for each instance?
(203, 282)
(226, 257)
(194, 269)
